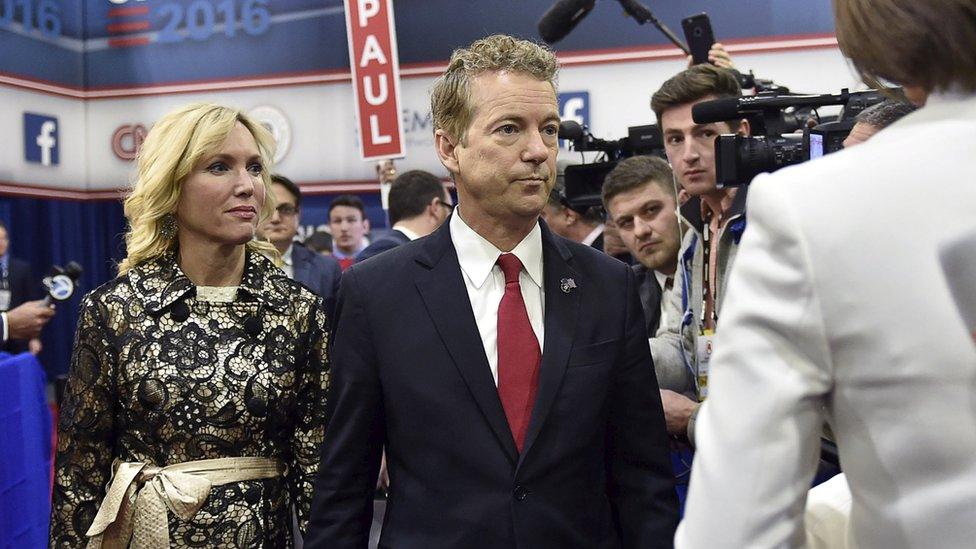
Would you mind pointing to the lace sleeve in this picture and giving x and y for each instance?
(310, 420)
(85, 430)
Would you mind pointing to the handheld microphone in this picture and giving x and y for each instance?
(62, 282)
(562, 17)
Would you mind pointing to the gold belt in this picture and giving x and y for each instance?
(139, 495)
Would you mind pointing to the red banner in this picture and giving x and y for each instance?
(375, 66)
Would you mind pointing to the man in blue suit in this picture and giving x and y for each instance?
(16, 289)
(319, 272)
(505, 369)
(419, 204)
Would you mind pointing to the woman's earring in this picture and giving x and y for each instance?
(167, 228)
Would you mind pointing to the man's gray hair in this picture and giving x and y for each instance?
(885, 113)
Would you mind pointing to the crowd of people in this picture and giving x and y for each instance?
(511, 381)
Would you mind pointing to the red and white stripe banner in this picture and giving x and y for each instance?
(375, 68)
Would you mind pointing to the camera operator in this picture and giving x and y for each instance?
(838, 311)
(716, 218)
(876, 118)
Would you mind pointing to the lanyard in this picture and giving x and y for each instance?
(706, 278)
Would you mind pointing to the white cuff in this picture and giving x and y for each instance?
(3, 316)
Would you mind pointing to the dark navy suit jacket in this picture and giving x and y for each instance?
(21, 290)
(650, 295)
(319, 272)
(386, 242)
(409, 372)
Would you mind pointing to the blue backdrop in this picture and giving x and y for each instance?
(54, 232)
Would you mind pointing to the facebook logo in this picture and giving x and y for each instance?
(574, 106)
(41, 139)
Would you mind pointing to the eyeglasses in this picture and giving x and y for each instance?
(450, 207)
(286, 210)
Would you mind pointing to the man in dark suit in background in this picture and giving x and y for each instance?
(579, 224)
(506, 369)
(319, 272)
(16, 282)
(419, 204)
(640, 199)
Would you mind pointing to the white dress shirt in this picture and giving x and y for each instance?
(662, 281)
(406, 232)
(485, 282)
(286, 262)
(591, 238)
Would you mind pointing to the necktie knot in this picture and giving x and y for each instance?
(511, 267)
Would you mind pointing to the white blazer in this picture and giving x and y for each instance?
(837, 310)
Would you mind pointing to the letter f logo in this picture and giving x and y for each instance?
(41, 139)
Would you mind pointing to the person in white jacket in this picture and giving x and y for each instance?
(838, 310)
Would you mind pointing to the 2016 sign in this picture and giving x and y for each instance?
(43, 15)
(200, 19)
(375, 68)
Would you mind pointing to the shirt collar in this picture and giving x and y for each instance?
(692, 211)
(662, 279)
(406, 232)
(286, 257)
(477, 256)
(590, 238)
(339, 254)
(160, 282)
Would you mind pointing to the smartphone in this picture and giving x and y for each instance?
(698, 34)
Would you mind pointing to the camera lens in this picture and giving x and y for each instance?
(698, 32)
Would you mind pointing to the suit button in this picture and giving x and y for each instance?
(521, 492)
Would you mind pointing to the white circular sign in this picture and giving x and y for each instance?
(276, 123)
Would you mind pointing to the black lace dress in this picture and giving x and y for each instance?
(158, 375)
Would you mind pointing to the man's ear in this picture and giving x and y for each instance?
(572, 216)
(744, 128)
(446, 150)
(366, 224)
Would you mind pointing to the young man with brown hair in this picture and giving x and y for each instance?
(715, 218)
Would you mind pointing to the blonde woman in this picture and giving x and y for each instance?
(195, 404)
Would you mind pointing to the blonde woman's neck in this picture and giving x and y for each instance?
(212, 265)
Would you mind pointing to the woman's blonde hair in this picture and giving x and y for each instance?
(174, 146)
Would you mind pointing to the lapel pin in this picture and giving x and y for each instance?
(567, 285)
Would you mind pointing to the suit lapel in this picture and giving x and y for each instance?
(562, 308)
(299, 264)
(650, 294)
(447, 302)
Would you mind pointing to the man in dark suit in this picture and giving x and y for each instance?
(640, 199)
(16, 285)
(505, 369)
(419, 204)
(319, 272)
(583, 224)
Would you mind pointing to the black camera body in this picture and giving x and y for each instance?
(781, 136)
(584, 182)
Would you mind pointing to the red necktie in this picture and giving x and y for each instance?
(519, 355)
(346, 262)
